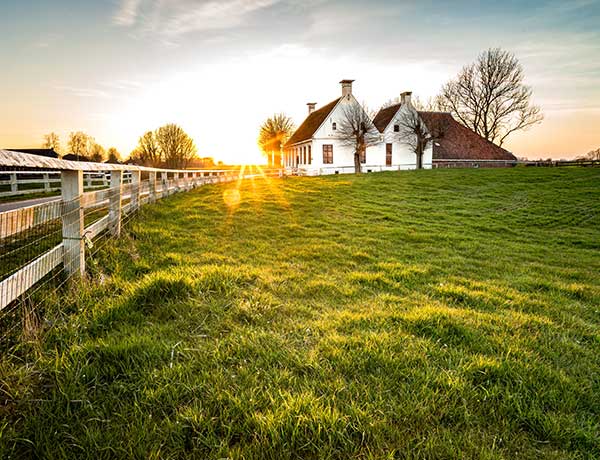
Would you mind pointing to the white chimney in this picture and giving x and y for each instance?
(405, 97)
(311, 107)
(346, 87)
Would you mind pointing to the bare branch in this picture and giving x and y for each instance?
(356, 130)
(51, 141)
(490, 98)
(416, 134)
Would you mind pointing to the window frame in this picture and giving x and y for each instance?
(327, 154)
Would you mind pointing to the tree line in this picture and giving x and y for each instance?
(168, 146)
(82, 147)
(488, 96)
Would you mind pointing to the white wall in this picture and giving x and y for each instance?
(402, 155)
(343, 156)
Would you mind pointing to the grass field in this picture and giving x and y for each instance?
(428, 314)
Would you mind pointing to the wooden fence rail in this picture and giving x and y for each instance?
(16, 183)
(126, 192)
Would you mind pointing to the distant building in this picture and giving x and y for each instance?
(73, 157)
(315, 148)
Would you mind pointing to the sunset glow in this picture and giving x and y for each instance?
(116, 70)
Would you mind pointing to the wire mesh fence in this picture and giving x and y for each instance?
(43, 246)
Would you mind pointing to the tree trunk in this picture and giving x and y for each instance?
(357, 162)
(419, 153)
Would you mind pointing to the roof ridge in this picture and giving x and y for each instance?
(312, 123)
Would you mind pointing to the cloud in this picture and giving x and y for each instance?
(178, 17)
(46, 41)
(84, 92)
(127, 13)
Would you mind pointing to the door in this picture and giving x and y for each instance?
(388, 154)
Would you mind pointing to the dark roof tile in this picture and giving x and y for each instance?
(384, 116)
(310, 125)
(460, 142)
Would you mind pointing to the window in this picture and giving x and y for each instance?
(388, 154)
(363, 156)
(309, 155)
(334, 126)
(396, 128)
(327, 154)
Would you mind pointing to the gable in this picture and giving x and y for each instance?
(385, 116)
(312, 123)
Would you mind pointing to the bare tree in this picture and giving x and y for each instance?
(356, 130)
(430, 105)
(592, 155)
(80, 144)
(114, 156)
(51, 141)
(97, 153)
(416, 134)
(147, 151)
(490, 98)
(274, 133)
(176, 147)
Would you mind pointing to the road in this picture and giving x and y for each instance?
(24, 203)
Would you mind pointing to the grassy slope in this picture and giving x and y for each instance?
(431, 314)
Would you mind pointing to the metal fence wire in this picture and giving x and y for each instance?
(42, 246)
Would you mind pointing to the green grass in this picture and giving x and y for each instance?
(428, 314)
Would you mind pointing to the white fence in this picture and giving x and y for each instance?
(326, 170)
(16, 183)
(69, 213)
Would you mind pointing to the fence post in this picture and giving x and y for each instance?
(14, 186)
(114, 202)
(135, 190)
(72, 222)
(152, 186)
(46, 179)
(165, 185)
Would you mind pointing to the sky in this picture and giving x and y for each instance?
(118, 68)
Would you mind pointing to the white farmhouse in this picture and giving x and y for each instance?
(316, 148)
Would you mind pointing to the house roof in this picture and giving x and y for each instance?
(310, 125)
(73, 157)
(460, 142)
(50, 153)
(384, 116)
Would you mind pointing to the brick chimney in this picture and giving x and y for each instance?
(405, 97)
(346, 87)
(311, 107)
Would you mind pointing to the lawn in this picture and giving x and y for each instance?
(424, 314)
